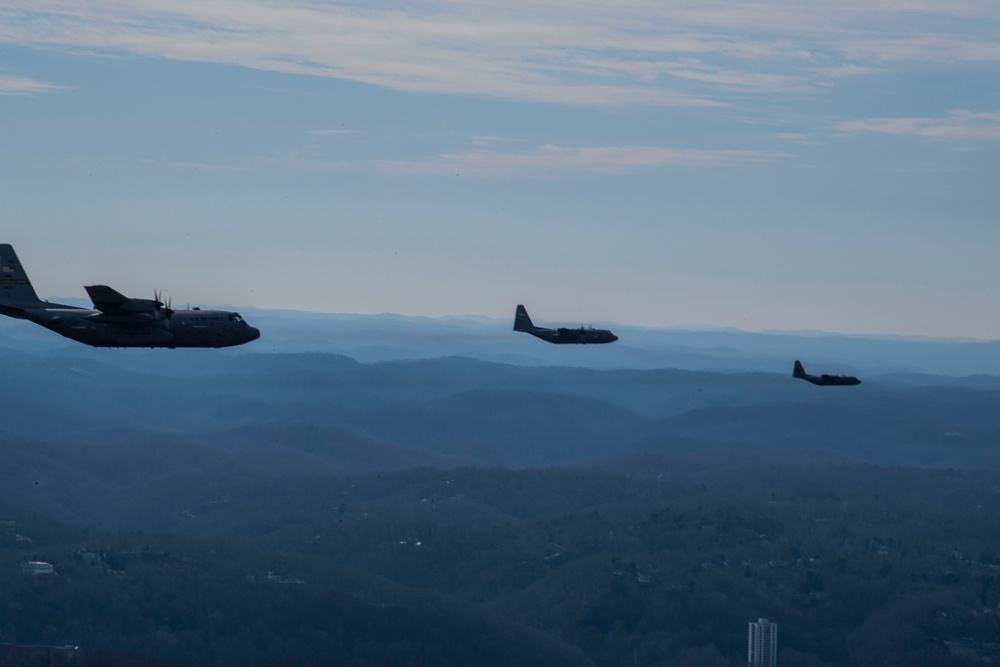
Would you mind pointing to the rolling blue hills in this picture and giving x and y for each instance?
(495, 478)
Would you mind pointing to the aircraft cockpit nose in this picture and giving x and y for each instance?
(253, 333)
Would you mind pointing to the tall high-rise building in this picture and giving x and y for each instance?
(762, 648)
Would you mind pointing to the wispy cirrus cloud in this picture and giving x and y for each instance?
(333, 133)
(959, 124)
(488, 159)
(576, 52)
(552, 160)
(801, 138)
(19, 85)
(203, 166)
(488, 141)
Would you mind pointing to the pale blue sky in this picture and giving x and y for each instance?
(761, 164)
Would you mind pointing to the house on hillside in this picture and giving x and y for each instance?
(37, 568)
(40, 656)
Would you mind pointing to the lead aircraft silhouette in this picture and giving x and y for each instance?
(116, 320)
(562, 336)
(824, 380)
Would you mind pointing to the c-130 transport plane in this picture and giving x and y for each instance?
(580, 336)
(116, 320)
(824, 380)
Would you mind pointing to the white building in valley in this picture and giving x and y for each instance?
(762, 650)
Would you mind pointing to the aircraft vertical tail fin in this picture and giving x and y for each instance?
(15, 288)
(798, 372)
(521, 320)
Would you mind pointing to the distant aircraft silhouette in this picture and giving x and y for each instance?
(824, 380)
(562, 336)
(116, 320)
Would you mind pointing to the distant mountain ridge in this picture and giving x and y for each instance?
(330, 412)
(386, 337)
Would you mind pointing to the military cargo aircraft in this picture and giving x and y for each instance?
(579, 336)
(824, 380)
(116, 320)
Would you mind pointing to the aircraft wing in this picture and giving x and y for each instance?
(106, 299)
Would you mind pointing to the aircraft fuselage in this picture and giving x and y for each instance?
(184, 328)
(561, 336)
(579, 336)
(823, 380)
(832, 380)
(116, 320)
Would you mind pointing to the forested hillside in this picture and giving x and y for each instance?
(453, 511)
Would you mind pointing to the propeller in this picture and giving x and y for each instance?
(158, 299)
